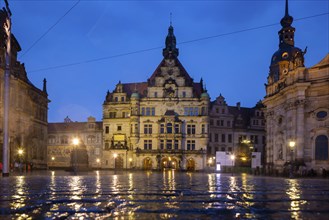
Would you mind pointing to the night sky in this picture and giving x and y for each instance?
(227, 43)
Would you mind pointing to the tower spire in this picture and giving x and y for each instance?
(287, 12)
(170, 19)
(170, 51)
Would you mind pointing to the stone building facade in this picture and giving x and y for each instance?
(61, 150)
(27, 112)
(297, 106)
(232, 126)
(160, 123)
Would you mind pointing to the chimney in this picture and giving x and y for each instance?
(238, 104)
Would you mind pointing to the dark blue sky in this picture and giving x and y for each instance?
(235, 65)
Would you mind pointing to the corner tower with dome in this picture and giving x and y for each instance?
(297, 107)
(157, 124)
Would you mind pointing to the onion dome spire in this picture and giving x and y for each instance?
(287, 20)
(170, 51)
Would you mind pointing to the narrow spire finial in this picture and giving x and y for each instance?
(44, 85)
(287, 11)
(170, 18)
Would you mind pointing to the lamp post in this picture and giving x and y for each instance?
(291, 145)
(20, 155)
(232, 158)
(75, 144)
(5, 149)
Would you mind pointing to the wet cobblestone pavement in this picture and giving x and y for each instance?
(160, 195)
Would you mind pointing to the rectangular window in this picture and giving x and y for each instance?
(169, 144)
(222, 123)
(177, 128)
(161, 144)
(143, 111)
(162, 128)
(107, 129)
(223, 149)
(223, 138)
(211, 121)
(184, 94)
(190, 129)
(153, 111)
(217, 122)
(216, 137)
(147, 129)
(230, 138)
(203, 129)
(228, 123)
(155, 94)
(119, 128)
(210, 137)
(263, 140)
(190, 111)
(148, 111)
(186, 111)
(196, 111)
(113, 114)
(191, 145)
(147, 144)
(176, 144)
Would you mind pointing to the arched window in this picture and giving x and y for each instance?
(321, 147)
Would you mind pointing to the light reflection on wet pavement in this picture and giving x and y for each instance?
(160, 195)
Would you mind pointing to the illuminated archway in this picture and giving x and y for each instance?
(147, 164)
(190, 165)
(169, 163)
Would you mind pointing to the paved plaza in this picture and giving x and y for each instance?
(160, 195)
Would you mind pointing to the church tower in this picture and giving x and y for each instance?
(297, 107)
(287, 57)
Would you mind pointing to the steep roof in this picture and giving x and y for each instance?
(140, 87)
(181, 68)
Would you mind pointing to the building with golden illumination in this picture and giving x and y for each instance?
(63, 153)
(28, 109)
(160, 123)
(234, 127)
(297, 107)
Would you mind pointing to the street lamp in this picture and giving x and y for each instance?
(20, 155)
(98, 162)
(75, 142)
(232, 158)
(291, 145)
(130, 162)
